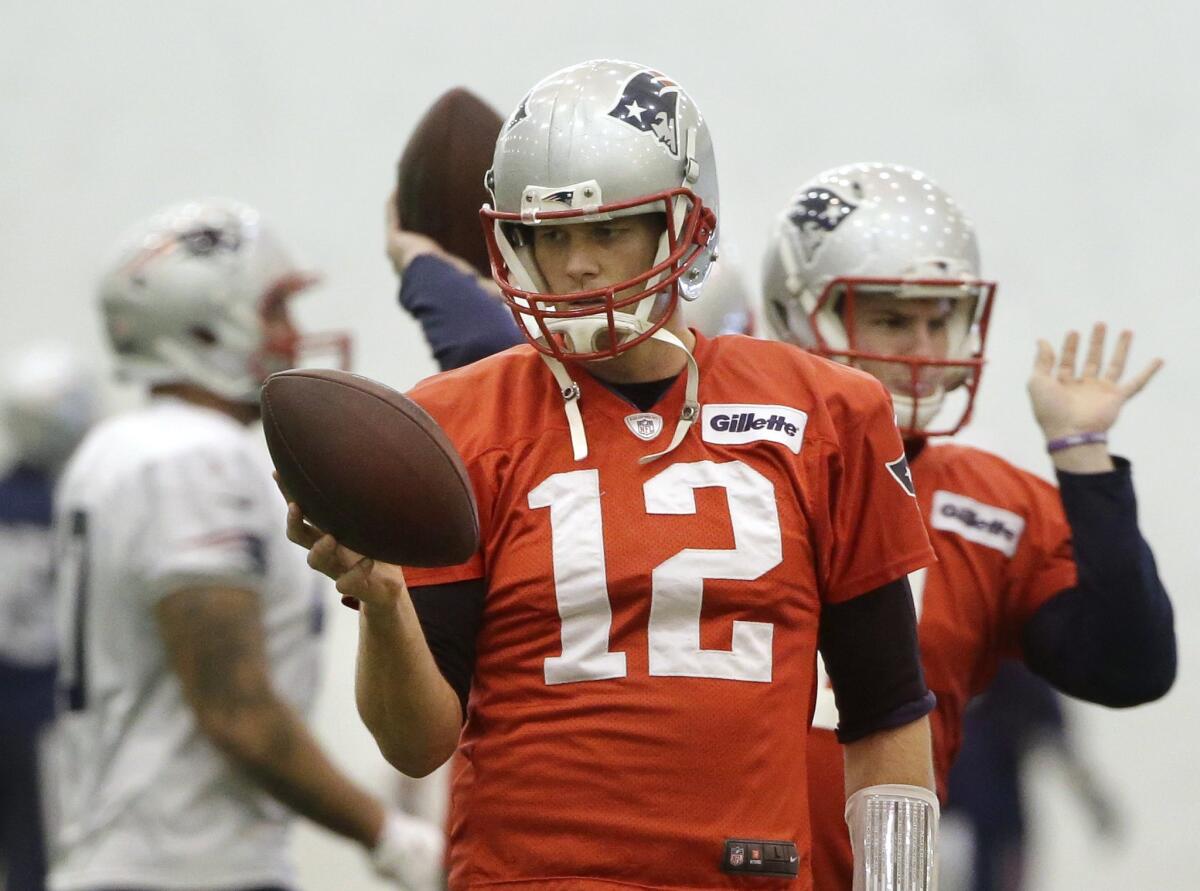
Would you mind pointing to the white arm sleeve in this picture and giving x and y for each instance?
(893, 831)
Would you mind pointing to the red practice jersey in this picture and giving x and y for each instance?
(1004, 548)
(645, 670)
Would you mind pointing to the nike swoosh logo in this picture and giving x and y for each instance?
(793, 858)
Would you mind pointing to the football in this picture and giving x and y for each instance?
(369, 466)
(439, 187)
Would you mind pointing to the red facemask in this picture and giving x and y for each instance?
(683, 249)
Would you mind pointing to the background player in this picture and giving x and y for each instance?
(1018, 717)
(874, 265)
(48, 401)
(187, 627)
(664, 518)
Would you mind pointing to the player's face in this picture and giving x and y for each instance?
(916, 328)
(586, 256)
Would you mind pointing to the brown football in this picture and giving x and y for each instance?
(439, 188)
(369, 466)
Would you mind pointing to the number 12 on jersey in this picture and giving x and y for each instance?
(676, 585)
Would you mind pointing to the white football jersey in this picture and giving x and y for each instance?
(169, 497)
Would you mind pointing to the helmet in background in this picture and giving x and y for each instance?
(48, 400)
(185, 298)
(880, 229)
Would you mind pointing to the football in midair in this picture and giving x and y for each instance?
(369, 466)
(439, 189)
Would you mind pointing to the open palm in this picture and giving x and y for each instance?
(1065, 402)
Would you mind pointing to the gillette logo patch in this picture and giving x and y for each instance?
(984, 524)
(740, 424)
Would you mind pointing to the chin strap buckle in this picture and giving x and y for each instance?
(569, 390)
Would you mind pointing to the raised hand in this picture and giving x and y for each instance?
(402, 246)
(1066, 402)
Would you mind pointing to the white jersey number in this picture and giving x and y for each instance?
(677, 585)
(825, 715)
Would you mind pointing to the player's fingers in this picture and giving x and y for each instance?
(1043, 361)
(356, 578)
(347, 557)
(1135, 386)
(322, 557)
(299, 531)
(1116, 365)
(1066, 360)
(392, 212)
(1095, 351)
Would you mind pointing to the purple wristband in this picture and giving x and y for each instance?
(1074, 439)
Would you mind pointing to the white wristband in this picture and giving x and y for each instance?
(893, 831)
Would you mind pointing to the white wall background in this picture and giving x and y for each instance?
(1070, 130)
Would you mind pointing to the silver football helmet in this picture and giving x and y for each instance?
(879, 229)
(593, 142)
(48, 400)
(185, 296)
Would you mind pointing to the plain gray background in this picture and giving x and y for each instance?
(1068, 130)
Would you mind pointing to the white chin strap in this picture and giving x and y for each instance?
(916, 414)
(570, 394)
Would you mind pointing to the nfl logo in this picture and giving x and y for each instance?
(645, 426)
(737, 855)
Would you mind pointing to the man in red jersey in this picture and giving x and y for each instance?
(875, 266)
(667, 523)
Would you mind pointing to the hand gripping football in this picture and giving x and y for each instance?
(369, 466)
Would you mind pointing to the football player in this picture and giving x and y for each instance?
(188, 630)
(49, 400)
(668, 523)
(875, 266)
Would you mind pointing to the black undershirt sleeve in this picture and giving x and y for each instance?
(450, 617)
(870, 648)
(1111, 638)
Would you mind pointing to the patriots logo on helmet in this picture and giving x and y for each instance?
(565, 197)
(519, 115)
(815, 214)
(650, 102)
(206, 240)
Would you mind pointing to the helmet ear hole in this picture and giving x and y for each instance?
(518, 235)
(203, 335)
(837, 302)
(781, 314)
